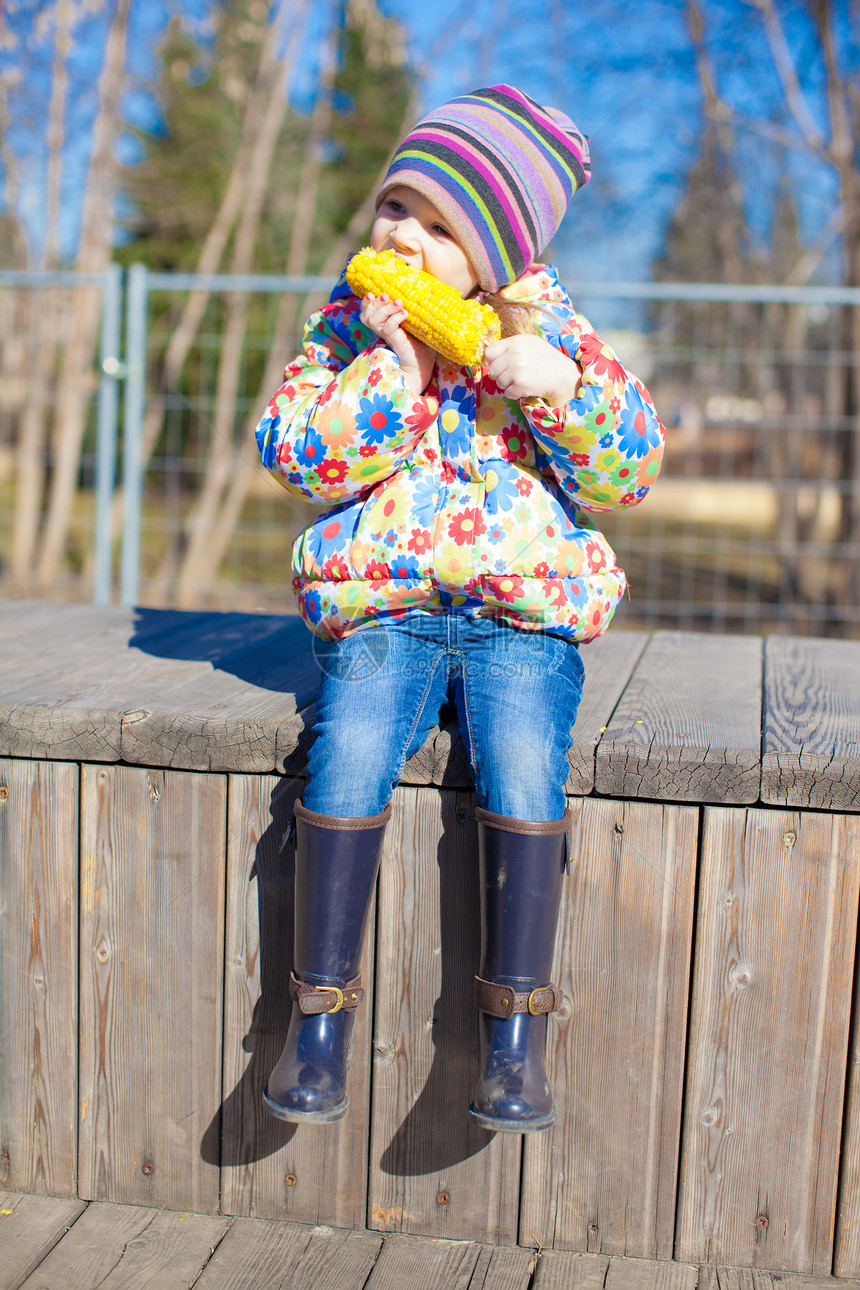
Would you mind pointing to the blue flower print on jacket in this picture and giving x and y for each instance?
(638, 432)
(376, 419)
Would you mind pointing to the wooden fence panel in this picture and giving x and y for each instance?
(769, 1033)
(604, 1178)
(38, 970)
(313, 1173)
(152, 920)
(433, 1171)
(846, 1253)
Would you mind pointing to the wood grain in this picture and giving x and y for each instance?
(267, 1255)
(604, 1178)
(687, 727)
(38, 969)
(424, 1144)
(113, 1247)
(557, 1271)
(308, 1173)
(609, 663)
(769, 1031)
(152, 910)
(811, 736)
(410, 1261)
(30, 1227)
(846, 1254)
(712, 1277)
(193, 691)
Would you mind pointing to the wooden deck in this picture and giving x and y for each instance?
(48, 1244)
(707, 1059)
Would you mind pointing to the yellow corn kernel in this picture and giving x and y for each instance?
(457, 329)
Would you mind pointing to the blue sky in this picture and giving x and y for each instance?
(625, 74)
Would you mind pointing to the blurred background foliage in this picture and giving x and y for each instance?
(249, 138)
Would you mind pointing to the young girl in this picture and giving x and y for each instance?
(456, 557)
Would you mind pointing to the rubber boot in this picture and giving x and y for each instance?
(337, 861)
(522, 863)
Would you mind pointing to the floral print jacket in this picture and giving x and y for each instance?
(457, 498)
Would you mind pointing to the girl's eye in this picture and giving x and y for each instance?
(395, 207)
(440, 228)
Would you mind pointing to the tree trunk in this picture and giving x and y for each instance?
(77, 379)
(194, 572)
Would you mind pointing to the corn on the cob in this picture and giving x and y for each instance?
(457, 329)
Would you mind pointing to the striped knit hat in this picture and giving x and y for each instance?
(501, 169)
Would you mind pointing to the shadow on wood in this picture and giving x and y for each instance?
(243, 1131)
(418, 1146)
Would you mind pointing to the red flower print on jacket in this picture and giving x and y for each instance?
(508, 588)
(596, 557)
(594, 355)
(335, 569)
(419, 542)
(514, 444)
(332, 471)
(376, 571)
(466, 526)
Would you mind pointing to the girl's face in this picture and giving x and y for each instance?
(411, 226)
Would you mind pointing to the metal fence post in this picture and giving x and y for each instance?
(106, 432)
(132, 458)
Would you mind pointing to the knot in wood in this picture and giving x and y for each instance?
(762, 1222)
(789, 838)
(291, 1180)
(4, 792)
(147, 1168)
(442, 1198)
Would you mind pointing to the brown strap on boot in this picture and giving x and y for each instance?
(314, 999)
(503, 1001)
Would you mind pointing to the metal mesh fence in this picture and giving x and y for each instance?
(753, 525)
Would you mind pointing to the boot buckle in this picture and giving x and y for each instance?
(335, 990)
(533, 1004)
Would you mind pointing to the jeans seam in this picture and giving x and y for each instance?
(418, 712)
(473, 747)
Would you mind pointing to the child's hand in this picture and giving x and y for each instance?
(385, 317)
(527, 367)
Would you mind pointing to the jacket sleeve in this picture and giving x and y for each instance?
(343, 419)
(606, 446)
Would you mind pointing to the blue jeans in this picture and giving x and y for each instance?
(516, 695)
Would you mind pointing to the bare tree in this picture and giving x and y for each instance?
(77, 374)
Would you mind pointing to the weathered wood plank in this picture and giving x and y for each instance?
(556, 1271)
(846, 1253)
(609, 662)
(196, 691)
(433, 1171)
(38, 969)
(123, 1247)
(604, 1178)
(30, 1226)
(414, 1261)
(268, 1255)
(687, 727)
(641, 1274)
(769, 1030)
(811, 737)
(309, 1173)
(333, 1258)
(152, 902)
(712, 1277)
(503, 1267)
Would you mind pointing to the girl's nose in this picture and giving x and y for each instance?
(407, 235)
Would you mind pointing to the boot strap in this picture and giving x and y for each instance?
(503, 1001)
(314, 999)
